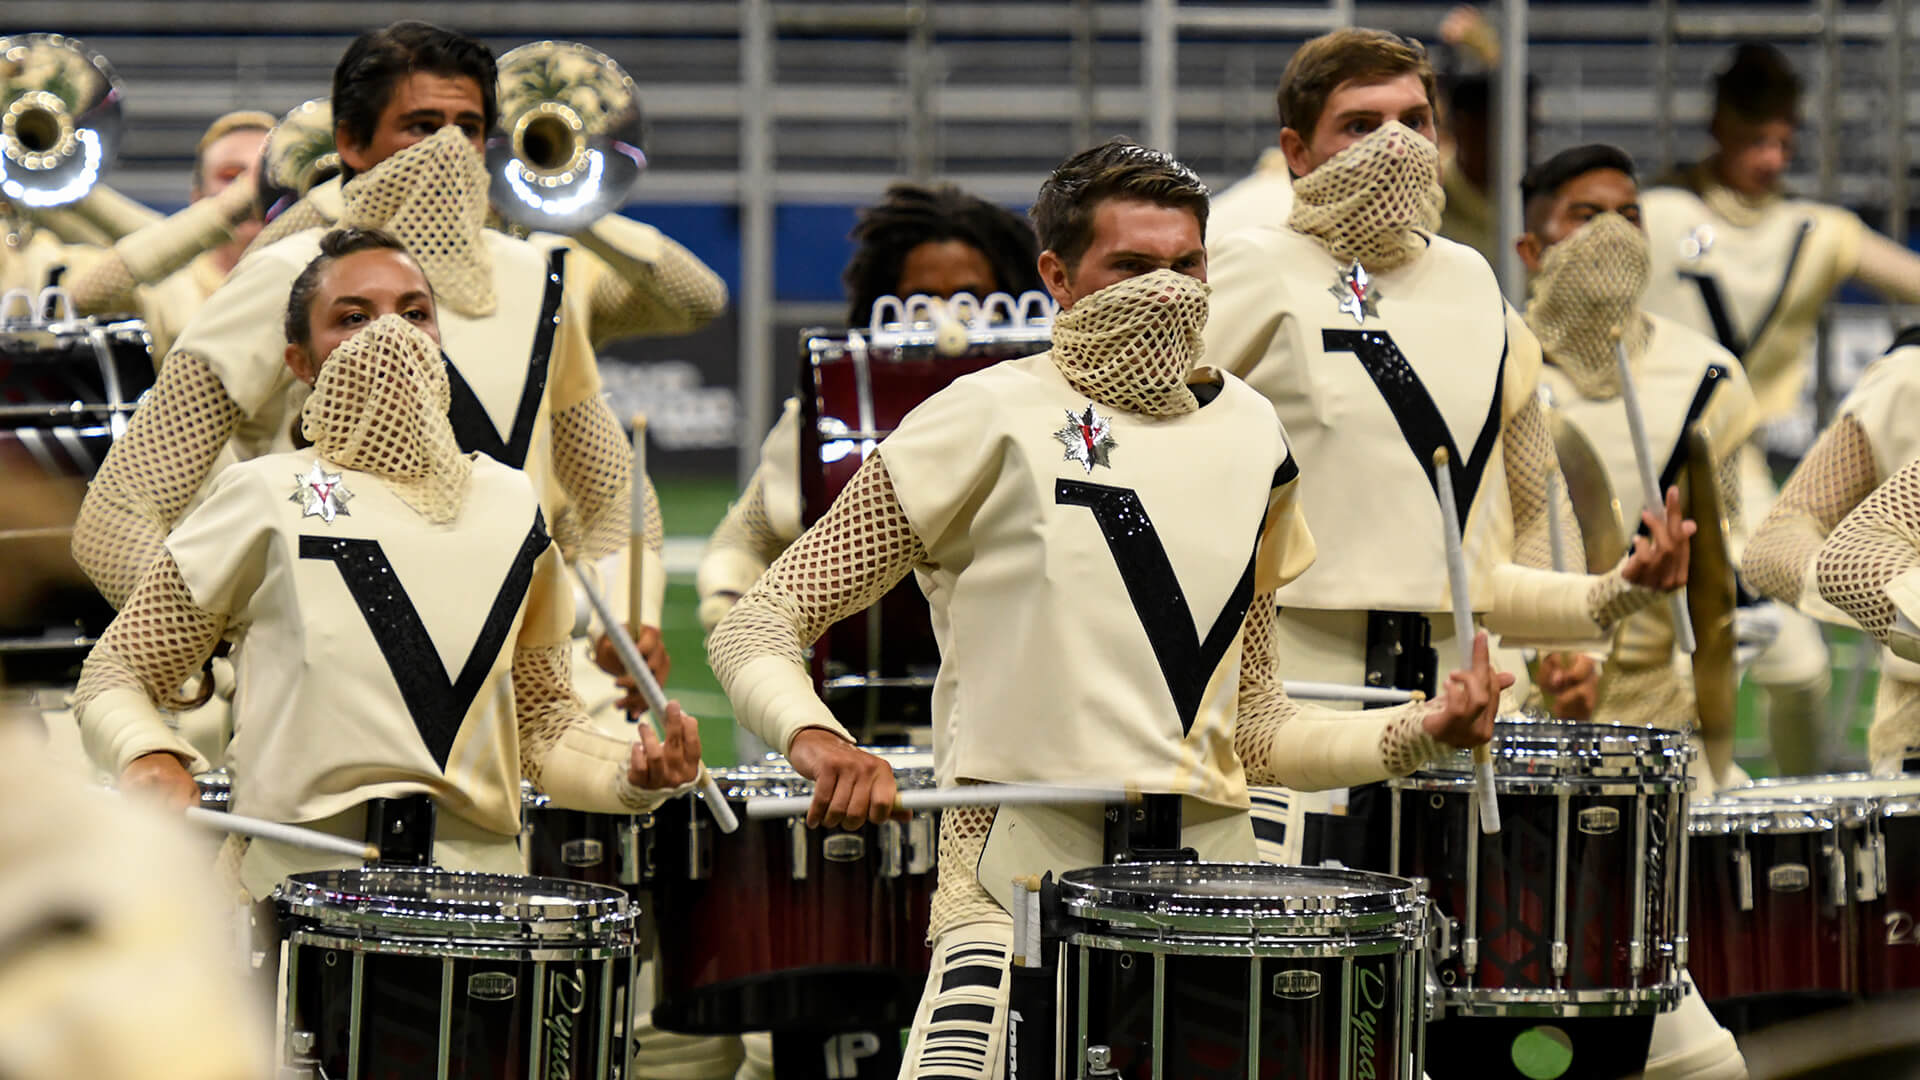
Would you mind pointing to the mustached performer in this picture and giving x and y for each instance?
(1099, 530)
(402, 615)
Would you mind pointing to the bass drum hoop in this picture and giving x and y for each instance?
(1121, 900)
(474, 909)
(1545, 751)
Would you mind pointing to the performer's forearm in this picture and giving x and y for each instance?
(593, 463)
(150, 649)
(649, 284)
(1889, 268)
(148, 256)
(562, 754)
(1875, 547)
(1542, 606)
(1834, 477)
(740, 550)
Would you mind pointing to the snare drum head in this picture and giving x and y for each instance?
(773, 778)
(1761, 815)
(441, 904)
(1248, 892)
(1837, 786)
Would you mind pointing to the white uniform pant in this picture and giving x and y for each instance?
(960, 1029)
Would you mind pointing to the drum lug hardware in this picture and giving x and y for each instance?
(1743, 877)
(1837, 875)
(1560, 959)
(797, 846)
(1100, 1062)
(920, 844)
(699, 848)
(631, 869)
(892, 854)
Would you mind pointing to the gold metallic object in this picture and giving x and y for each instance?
(1710, 602)
(568, 149)
(1602, 534)
(299, 155)
(60, 119)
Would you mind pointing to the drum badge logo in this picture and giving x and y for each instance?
(1353, 288)
(1088, 438)
(320, 494)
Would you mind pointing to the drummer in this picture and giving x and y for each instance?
(1067, 588)
(354, 595)
(930, 241)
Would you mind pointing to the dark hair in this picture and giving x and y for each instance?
(1472, 95)
(334, 245)
(911, 215)
(1545, 180)
(1758, 85)
(1318, 67)
(374, 64)
(1116, 169)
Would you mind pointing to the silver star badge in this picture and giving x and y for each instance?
(1354, 289)
(1088, 438)
(320, 494)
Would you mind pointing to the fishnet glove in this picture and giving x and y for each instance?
(1827, 484)
(848, 560)
(157, 250)
(561, 753)
(745, 543)
(151, 473)
(1873, 545)
(647, 284)
(1527, 445)
(159, 638)
(593, 461)
(105, 287)
(1267, 747)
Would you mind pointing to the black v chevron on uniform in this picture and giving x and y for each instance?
(473, 429)
(438, 706)
(1186, 662)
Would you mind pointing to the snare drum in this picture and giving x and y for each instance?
(1882, 814)
(1572, 909)
(604, 849)
(875, 669)
(216, 789)
(778, 927)
(1242, 970)
(1769, 903)
(401, 974)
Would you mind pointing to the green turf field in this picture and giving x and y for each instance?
(692, 507)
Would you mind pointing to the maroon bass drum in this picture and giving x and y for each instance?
(778, 927)
(875, 669)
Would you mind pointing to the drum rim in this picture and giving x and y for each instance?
(1783, 814)
(1862, 804)
(1395, 903)
(1663, 996)
(567, 910)
(1605, 751)
(773, 777)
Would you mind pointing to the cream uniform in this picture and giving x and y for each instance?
(1680, 378)
(1370, 374)
(1260, 199)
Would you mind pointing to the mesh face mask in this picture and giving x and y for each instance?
(432, 197)
(379, 406)
(1590, 284)
(1133, 344)
(1376, 200)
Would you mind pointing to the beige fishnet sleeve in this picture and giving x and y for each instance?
(1827, 484)
(1527, 446)
(740, 550)
(1870, 547)
(1309, 747)
(299, 217)
(150, 474)
(593, 461)
(562, 754)
(157, 250)
(138, 666)
(848, 560)
(106, 286)
(647, 284)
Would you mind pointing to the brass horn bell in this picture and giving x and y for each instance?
(62, 121)
(568, 150)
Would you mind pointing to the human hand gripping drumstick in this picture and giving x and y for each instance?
(1467, 708)
(652, 647)
(1654, 505)
(161, 778)
(657, 702)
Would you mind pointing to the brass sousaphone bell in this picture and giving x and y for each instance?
(62, 121)
(568, 150)
(299, 155)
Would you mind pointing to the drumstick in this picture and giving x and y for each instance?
(637, 530)
(1649, 482)
(311, 839)
(1303, 690)
(1556, 529)
(710, 792)
(965, 795)
(1463, 632)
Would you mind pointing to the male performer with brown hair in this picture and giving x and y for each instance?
(1100, 530)
(1379, 343)
(1588, 255)
(1737, 257)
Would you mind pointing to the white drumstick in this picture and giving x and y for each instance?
(964, 795)
(311, 839)
(1302, 690)
(637, 529)
(710, 792)
(1649, 482)
(1556, 529)
(1463, 632)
